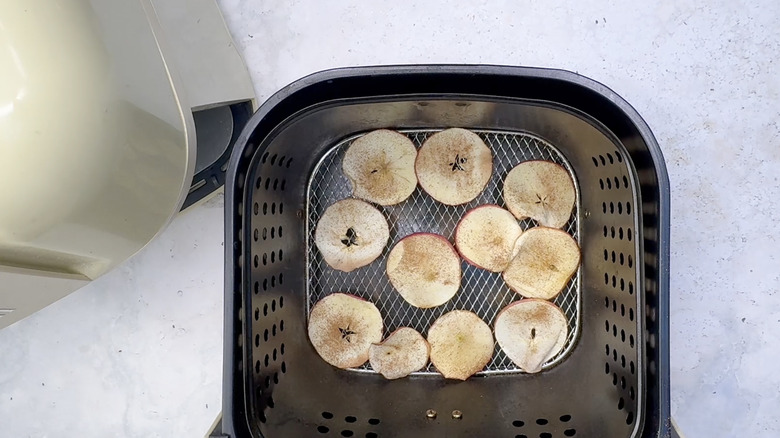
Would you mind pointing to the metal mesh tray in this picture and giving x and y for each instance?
(290, 185)
(481, 292)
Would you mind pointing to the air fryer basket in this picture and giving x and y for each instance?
(482, 292)
(609, 384)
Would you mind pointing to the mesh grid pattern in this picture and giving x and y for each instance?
(481, 292)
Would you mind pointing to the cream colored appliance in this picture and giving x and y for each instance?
(105, 107)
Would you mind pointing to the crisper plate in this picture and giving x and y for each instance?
(482, 292)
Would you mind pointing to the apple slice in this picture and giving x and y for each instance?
(545, 261)
(531, 332)
(380, 167)
(461, 344)
(454, 166)
(342, 328)
(400, 354)
(351, 234)
(541, 190)
(486, 237)
(425, 269)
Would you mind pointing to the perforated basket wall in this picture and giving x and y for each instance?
(599, 387)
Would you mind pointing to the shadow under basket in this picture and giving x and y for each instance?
(612, 380)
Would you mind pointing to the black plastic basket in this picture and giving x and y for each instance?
(615, 381)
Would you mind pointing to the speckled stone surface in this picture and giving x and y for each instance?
(138, 352)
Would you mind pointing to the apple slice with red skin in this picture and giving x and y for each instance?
(400, 354)
(531, 332)
(486, 235)
(350, 234)
(461, 344)
(425, 269)
(541, 190)
(546, 259)
(342, 328)
(380, 167)
(454, 166)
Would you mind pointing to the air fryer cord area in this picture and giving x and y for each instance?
(217, 130)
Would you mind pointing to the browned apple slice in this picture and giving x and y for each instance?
(425, 269)
(400, 354)
(454, 166)
(545, 261)
(541, 190)
(351, 234)
(461, 344)
(531, 332)
(342, 328)
(380, 166)
(486, 237)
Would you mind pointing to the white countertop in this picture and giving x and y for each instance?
(138, 353)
